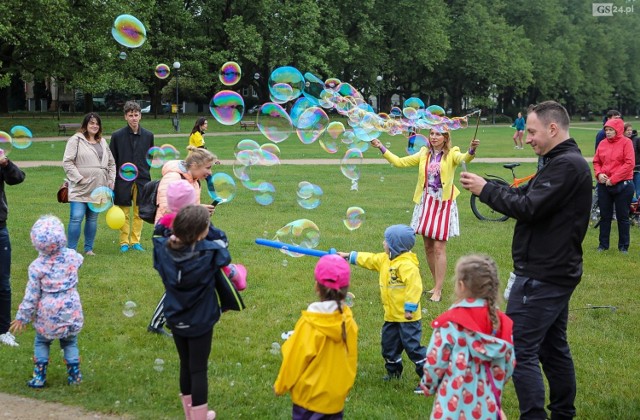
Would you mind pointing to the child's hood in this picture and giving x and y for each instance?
(400, 239)
(327, 323)
(48, 236)
(483, 346)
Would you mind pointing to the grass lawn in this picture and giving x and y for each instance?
(118, 355)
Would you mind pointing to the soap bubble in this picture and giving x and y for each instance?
(275, 348)
(158, 365)
(162, 71)
(128, 31)
(230, 73)
(21, 136)
(302, 232)
(101, 199)
(227, 107)
(354, 218)
(222, 187)
(129, 309)
(349, 300)
(155, 157)
(128, 171)
(350, 164)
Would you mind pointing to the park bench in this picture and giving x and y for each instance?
(247, 124)
(63, 127)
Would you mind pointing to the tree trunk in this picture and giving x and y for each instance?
(88, 102)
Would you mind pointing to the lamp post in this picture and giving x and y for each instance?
(176, 66)
(378, 80)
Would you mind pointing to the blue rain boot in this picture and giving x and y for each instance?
(39, 375)
(74, 376)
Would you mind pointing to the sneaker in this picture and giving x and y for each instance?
(8, 339)
(124, 248)
(137, 247)
(418, 390)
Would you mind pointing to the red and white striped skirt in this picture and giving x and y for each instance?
(435, 218)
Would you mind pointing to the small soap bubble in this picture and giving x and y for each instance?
(349, 300)
(285, 263)
(238, 365)
(129, 309)
(158, 365)
(381, 179)
(117, 403)
(275, 348)
(247, 340)
(233, 383)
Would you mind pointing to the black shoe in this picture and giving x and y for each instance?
(160, 331)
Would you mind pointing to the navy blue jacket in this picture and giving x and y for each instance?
(189, 276)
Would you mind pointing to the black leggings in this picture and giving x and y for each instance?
(194, 355)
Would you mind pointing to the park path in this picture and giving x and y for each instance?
(15, 407)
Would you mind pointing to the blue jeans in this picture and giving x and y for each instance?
(5, 280)
(68, 345)
(540, 312)
(77, 213)
(636, 183)
(618, 196)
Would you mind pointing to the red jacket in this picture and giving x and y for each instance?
(615, 157)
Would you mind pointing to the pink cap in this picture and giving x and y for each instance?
(237, 273)
(180, 194)
(332, 271)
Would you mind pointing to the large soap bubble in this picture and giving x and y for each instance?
(128, 31)
(230, 73)
(302, 232)
(227, 107)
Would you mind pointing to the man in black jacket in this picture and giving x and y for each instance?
(10, 174)
(552, 214)
(130, 145)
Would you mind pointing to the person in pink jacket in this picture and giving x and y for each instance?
(613, 166)
(435, 215)
(195, 167)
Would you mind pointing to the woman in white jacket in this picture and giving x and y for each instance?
(88, 164)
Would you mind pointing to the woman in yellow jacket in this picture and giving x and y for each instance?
(435, 215)
(196, 139)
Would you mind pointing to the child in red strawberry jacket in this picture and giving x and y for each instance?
(470, 356)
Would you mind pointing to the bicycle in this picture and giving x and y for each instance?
(484, 212)
(594, 216)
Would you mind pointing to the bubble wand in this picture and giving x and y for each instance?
(293, 248)
(463, 164)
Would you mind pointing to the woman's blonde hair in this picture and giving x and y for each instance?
(479, 273)
(446, 146)
(198, 157)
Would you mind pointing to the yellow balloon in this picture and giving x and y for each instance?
(115, 217)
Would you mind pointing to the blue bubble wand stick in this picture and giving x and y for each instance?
(293, 248)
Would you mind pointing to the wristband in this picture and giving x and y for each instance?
(472, 151)
(383, 149)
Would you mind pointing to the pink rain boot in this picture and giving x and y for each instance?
(201, 413)
(186, 406)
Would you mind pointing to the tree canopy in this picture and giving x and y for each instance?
(452, 52)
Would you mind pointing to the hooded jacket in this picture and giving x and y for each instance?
(318, 368)
(399, 280)
(10, 174)
(173, 170)
(448, 166)
(85, 170)
(460, 355)
(191, 305)
(51, 299)
(615, 156)
(552, 213)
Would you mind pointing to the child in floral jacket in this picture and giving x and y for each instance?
(51, 300)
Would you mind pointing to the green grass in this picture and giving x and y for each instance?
(118, 354)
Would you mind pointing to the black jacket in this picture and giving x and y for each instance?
(127, 147)
(635, 140)
(552, 213)
(189, 276)
(11, 175)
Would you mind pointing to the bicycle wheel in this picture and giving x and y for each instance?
(594, 217)
(484, 212)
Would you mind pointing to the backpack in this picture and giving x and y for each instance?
(148, 205)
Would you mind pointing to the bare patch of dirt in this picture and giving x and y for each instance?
(15, 407)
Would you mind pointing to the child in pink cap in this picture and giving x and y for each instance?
(319, 360)
(179, 195)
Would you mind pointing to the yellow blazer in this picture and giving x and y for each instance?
(448, 166)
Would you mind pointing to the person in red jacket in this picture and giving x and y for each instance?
(613, 166)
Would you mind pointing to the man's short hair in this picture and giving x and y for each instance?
(551, 112)
(613, 113)
(131, 106)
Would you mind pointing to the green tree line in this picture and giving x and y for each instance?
(462, 53)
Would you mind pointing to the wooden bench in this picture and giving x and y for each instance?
(247, 124)
(63, 127)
